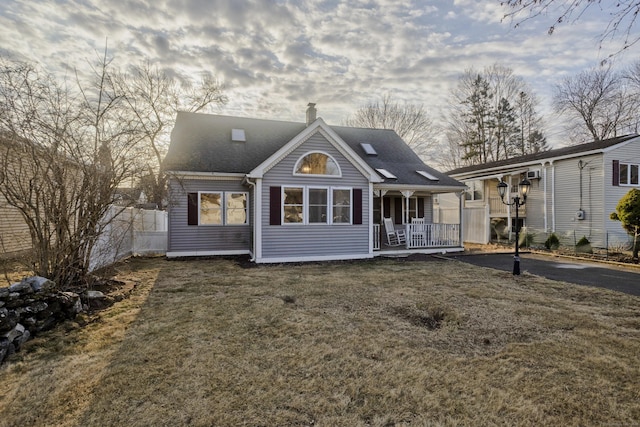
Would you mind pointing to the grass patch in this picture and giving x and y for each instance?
(206, 342)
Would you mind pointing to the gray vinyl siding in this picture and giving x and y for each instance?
(209, 238)
(297, 240)
(534, 208)
(629, 153)
(568, 200)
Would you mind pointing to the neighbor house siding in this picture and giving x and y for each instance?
(534, 207)
(570, 197)
(297, 240)
(209, 238)
(629, 153)
(14, 232)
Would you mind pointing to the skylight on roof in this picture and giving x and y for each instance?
(386, 174)
(428, 176)
(238, 135)
(368, 148)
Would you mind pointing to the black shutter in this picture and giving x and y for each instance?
(275, 205)
(397, 209)
(357, 206)
(192, 208)
(616, 173)
(420, 207)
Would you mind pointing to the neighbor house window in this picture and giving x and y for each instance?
(341, 205)
(474, 190)
(218, 208)
(317, 163)
(628, 174)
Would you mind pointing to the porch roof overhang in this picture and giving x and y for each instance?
(435, 189)
(484, 175)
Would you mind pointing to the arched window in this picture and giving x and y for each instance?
(317, 163)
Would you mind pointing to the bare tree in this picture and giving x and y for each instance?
(623, 15)
(153, 97)
(597, 102)
(410, 121)
(65, 149)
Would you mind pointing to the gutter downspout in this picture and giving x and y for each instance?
(553, 196)
(546, 219)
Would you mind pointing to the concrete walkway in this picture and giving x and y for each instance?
(581, 272)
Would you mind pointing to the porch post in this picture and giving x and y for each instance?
(461, 215)
(406, 194)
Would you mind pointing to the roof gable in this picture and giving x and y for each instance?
(318, 126)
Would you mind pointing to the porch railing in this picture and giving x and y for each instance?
(376, 237)
(432, 235)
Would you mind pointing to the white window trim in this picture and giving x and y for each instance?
(223, 208)
(295, 167)
(628, 184)
(305, 205)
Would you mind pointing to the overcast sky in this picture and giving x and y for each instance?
(275, 56)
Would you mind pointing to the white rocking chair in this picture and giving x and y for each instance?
(394, 237)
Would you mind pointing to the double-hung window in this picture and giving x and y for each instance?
(318, 202)
(629, 174)
(222, 208)
(474, 190)
(293, 205)
(341, 203)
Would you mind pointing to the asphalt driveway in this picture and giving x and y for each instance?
(614, 277)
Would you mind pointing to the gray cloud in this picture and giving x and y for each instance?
(277, 55)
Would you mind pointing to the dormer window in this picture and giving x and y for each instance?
(317, 163)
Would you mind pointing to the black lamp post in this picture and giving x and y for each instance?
(519, 200)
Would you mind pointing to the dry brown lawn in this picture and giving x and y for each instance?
(380, 343)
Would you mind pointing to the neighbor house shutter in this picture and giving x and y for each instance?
(397, 209)
(192, 208)
(616, 173)
(275, 203)
(357, 206)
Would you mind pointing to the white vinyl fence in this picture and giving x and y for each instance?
(132, 231)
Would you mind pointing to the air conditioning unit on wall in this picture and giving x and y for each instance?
(533, 174)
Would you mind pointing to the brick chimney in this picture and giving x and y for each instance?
(311, 113)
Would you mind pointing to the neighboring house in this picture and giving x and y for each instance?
(15, 238)
(573, 191)
(284, 191)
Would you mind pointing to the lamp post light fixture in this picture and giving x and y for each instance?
(518, 200)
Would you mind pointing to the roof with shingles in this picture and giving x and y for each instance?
(559, 152)
(202, 143)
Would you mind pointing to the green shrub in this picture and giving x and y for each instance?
(584, 246)
(552, 243)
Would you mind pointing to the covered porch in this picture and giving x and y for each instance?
(404, 221)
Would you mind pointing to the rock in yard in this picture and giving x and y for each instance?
(40, 284)
(21, 288)
(14, 333)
